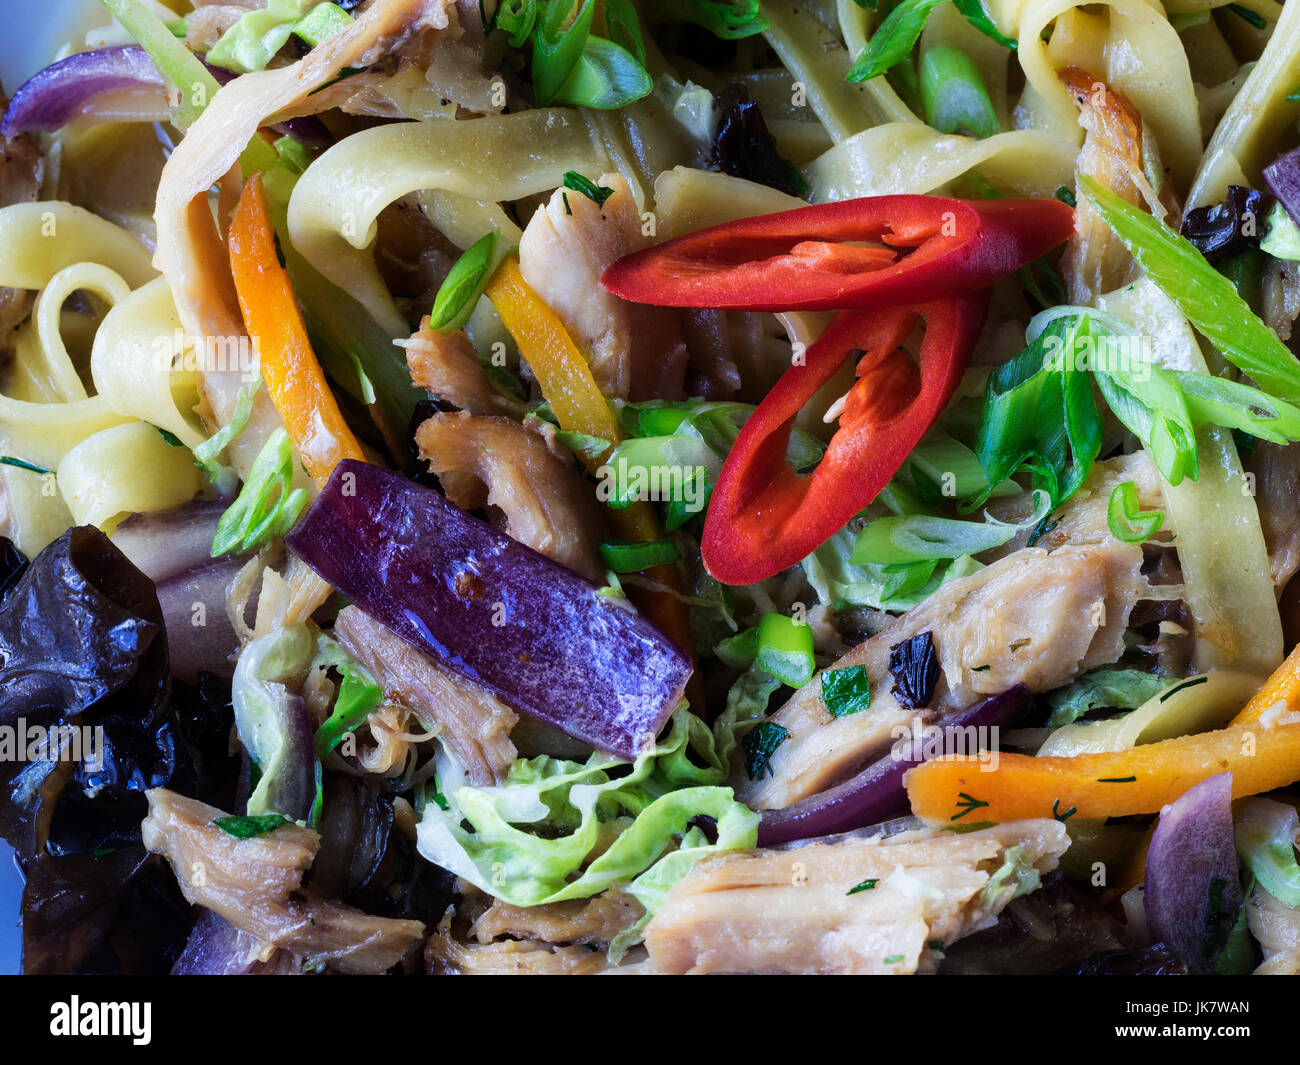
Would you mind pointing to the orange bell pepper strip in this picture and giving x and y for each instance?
(1283, 686)
(1115, 784)
(566, 381)
(294, 378)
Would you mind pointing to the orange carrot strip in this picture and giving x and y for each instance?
(294, 378)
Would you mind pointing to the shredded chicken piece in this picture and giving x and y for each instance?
(1119, 152)
(592, 922)
(1281, 296)
(445, 365)
(491, 461)
(1276, 469)
(472, 722)
(387, 753)
(636, 352)
(256, 885)
(1277, 929)
(795, 911)
(206, 24)
(1031, 618)
(445, 955)
(1082, 519)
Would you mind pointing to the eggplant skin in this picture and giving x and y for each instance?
(82, 643)
(506, 618)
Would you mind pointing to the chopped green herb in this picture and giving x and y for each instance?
(866, 885)
(1184, 686)
(894, 959)
(598, 194)
(1040, 417)
(1062, 816)
(954, 95)
(1117, 780)
(897, 35)
(171, 439)
(250, 827)
(321, 23)
(846, 691)
(759, 744)
(1066, 195)
(966, 805)
(1253, 17)
(936, 945)
(9, 460)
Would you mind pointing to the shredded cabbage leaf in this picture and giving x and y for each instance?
(251, 43)
(530, 839)
(260, 701)
(1101, 689)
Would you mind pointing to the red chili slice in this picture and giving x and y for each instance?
(763, 516)
(868, 252)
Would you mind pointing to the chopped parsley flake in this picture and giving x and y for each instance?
(846, 691)
(760, 743)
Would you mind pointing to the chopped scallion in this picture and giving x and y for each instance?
(1126, 521)
(632, 556)
(464, 282)
(785, 649)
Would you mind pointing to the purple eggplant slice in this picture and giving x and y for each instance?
(532, 632)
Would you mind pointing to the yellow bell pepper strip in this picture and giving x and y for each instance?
(565, 378)
(1138, 781)
(561, 371)
(294, 378)
(1283, 686)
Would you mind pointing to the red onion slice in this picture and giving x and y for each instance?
(200, 637)
(1193, 893)
(87, 84)
(876, 793)
(164, 543)
(1283, 178)
(115, 84)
